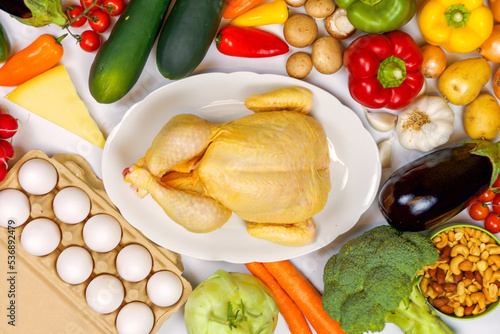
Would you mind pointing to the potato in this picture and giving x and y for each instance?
(482, 118)
(319, 9)
(300, 30)
(461, 82)
(327, 55)
(299, 65)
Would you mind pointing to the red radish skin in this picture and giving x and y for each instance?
(8, 150)
(3, 171)
(8, 126)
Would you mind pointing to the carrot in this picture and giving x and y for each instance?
(237, 7)
(293, 316)
(304, 295)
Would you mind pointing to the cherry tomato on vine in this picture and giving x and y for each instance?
(90, 3)
(487, 196)
(495, 204)
(496, 184)
(492, 223)
(73, 12)
(99, 20)
(114, 7)
(478, 210)
(90, 41)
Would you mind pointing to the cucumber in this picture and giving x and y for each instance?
(187, 35)
(120, 60)
(4, 45)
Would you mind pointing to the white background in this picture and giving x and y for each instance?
(38, 133)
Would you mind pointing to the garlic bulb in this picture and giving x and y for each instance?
(425, 124)
(381, 121)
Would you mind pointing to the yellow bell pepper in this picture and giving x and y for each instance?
(459, 26)
(268, 13)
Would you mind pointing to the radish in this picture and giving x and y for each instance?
(8, 126)
(6, 151)
(3, 171)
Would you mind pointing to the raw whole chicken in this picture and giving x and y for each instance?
(270, 168)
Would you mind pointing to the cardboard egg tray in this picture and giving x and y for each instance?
(43, 302)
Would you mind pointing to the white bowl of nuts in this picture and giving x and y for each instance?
(465, 282)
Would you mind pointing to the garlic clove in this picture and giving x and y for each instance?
(381, 121)
(385, 151)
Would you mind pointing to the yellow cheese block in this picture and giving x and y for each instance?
(53, 96)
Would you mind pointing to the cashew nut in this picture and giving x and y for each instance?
(493, 249)
(454, 264)
(494, 259)
(495, 276)
(442, 242)
(459, 249)
(479, 298)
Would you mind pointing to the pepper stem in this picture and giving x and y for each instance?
(391, 72)
(457, 16)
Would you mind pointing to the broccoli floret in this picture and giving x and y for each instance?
(372, 281)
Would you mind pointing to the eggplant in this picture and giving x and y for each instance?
(36, 13)
(437, 186)
(15, 8)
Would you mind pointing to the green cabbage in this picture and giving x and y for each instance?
(232, 303)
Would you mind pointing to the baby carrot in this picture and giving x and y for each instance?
(293, 316)
(304, 295)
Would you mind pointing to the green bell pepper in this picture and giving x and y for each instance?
(377, 16)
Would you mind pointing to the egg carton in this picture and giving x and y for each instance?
(43, 302)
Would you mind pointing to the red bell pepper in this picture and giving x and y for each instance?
(384, 70)
(249, 42)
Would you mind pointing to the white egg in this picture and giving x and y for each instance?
(15, 208)
(74, 265)
(134, 263)
(105, 294)
(40, 237)
(164, 288)
(135, 318)
(71, 205)
(37, 176)
(102, 233)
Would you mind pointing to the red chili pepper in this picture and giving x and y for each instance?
(384, 70)
(249, 42)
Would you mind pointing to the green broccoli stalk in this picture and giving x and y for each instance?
(373, 280)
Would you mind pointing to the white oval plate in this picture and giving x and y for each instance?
(218, 97)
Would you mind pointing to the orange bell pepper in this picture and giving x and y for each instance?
(41, 55)
(237, 7)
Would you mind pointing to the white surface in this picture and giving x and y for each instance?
(354, 169)
(38, 133)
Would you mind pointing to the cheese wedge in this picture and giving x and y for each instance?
(52, 95)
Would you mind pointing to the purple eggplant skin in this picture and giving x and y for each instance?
(434, 188)
(16, 8)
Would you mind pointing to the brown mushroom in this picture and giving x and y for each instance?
(319, 9)
(338, 25)
(327, 54)
(295, 3)
(299, 65)
(300, 30)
